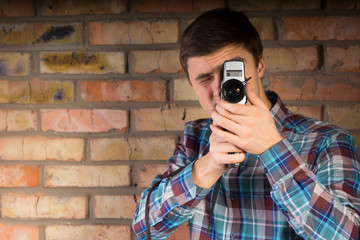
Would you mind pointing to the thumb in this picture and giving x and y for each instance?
(253, 98)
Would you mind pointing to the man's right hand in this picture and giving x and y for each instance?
(208, 169)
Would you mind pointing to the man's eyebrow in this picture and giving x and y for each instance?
(238, 59)
(202, 75)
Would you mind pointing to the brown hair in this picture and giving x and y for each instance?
(216, 29)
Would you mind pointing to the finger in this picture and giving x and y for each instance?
(253, 98)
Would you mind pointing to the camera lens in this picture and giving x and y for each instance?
(233, 91)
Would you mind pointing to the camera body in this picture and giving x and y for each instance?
(232, 87)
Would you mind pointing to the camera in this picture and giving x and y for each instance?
(232, 87)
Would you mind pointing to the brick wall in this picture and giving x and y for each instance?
(93, 98)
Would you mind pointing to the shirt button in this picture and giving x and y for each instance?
(266, 170)
(284, 211)
(233, 235)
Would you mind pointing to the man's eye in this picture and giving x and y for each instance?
(205, 80)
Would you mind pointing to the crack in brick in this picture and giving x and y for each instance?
(36, 205)
(131, 152)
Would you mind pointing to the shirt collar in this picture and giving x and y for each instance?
(278, 110)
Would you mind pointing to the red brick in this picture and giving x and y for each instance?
(82, 62)
(321, 28)
(347, 117)
(36, 91)
(36, 206)
(39, 148)
(87, 176)
(69, 7)
(273, 5)
(111, 206)
(163, 61)
(344, 59)
(12, 120)
(17, 232)
(84, 120)
(19, 176)
(17, 8)
(291, 59)
(339, 88)
(133, 32)
(103, 232)
(38, 33)
(149, 172)
(15, 64)
(178, 6)
(123, 91)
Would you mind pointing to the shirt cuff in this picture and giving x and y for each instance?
(184, 188)
(280, 160)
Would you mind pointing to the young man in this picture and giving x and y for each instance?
(298, 177)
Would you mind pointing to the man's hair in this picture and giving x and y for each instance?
(216, 29)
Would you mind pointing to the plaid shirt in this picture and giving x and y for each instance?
(306, 186)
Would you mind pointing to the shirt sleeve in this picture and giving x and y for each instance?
(322, 202)
(174, 200)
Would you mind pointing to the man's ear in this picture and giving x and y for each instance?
(261, 67)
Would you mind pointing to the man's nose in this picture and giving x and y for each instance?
(216, 85)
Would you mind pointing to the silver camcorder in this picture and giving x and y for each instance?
(232, 87)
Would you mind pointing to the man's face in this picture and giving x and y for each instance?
(205, 74)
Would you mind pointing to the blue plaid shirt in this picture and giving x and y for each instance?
(306, 186)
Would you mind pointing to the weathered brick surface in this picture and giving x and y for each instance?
(178, 6)
(165, 61)
(82, 62)
(265, 27)
(36, 91)
(308, 111)
(183, 90)
(93, 99)
(104, 232)
(121, 206)
(321, 28)
(149, 172)
(347, 117)
(87, 176)
(340, 88)
(242, 5)
(123, 91)
(133, 148)
(84, 120)
(69, 7)
(38, 148)
(36, 206)
(16, 232)
(17, 8)
(168, 118)
(38, 33)
(19, 176)
(12, 120)
(344, 59)
(291, 59)
(14, 64)
(135, 32)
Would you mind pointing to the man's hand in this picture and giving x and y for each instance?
(250, 127)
